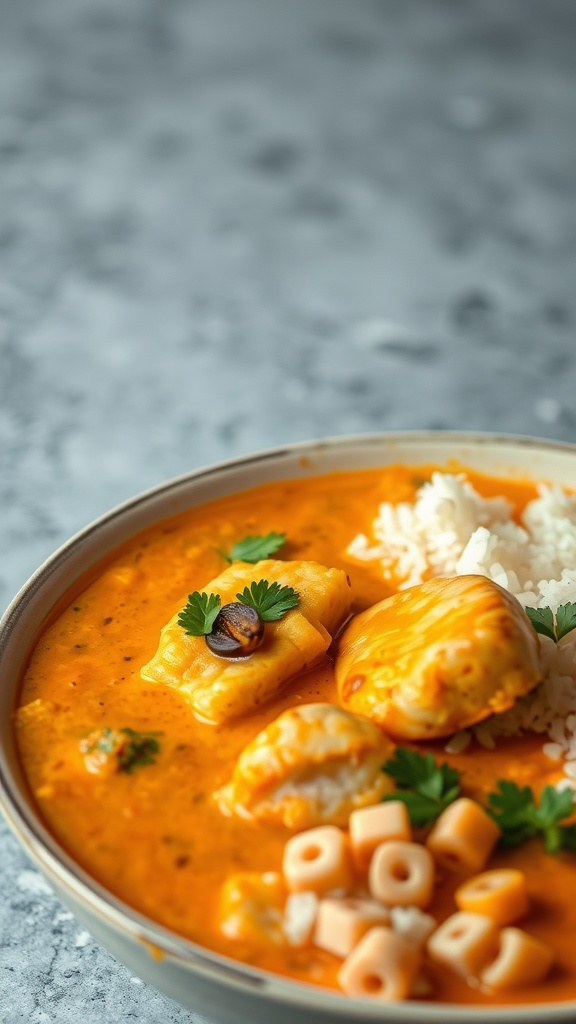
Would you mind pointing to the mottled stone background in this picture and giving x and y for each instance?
(226, 224)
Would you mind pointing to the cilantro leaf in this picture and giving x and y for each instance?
(425, 787)
(422, 810)
(543, 621)
(139, 749)
(130, 749)
(517, 814)
(270, 600)
(509, 806)
(254, 549)
(197, 618)
(565, 619)
(554, 805)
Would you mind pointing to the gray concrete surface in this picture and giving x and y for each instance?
(226, 224)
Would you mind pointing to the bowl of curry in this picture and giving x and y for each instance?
(294, 734)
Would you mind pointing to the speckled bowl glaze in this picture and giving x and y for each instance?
(223, 989)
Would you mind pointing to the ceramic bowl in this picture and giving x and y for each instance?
(227, 991)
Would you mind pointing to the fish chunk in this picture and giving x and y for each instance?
(252, 908)
(219, 689)
(438, 657)
(312, 765)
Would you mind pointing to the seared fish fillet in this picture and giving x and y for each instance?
(312, 765)
(438, 657)
(220, 689)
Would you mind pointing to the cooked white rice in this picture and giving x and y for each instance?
(452, 530)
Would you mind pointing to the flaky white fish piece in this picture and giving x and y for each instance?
(220, 689)
(312, 765)
(251, 908)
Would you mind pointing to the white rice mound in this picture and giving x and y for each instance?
(452, 530)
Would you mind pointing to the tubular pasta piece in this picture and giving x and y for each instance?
(317, 860)
(522, 960)
(402, 874)
(464, 836)
(501, 895)
(383, 966)
(371, 826)
(341, 923)
(465, 943)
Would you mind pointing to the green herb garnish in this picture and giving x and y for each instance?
(425, 787)
(565, 619)
(138, 750)
(197, 617)
(130, 748)
(543, 620)
(254, 549)
(516, 812)
(234, 630)
(270, 600)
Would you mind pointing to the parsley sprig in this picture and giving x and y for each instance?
(516, 812)
(137, 750)
(130, 748)
(554, 627)
(254, 549)
(425, 787)
(270, 600)
(198, 615)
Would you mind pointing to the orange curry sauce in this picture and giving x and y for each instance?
(154, 837)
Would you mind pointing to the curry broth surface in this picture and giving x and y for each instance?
(154, 837)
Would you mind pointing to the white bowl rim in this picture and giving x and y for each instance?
(58, 865)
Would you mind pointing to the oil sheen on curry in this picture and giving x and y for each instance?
(256, 727)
